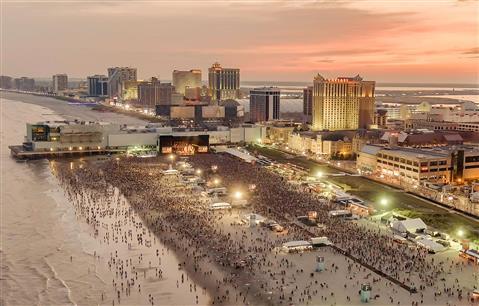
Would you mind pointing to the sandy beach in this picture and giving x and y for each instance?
(50, 254)
(216, 242)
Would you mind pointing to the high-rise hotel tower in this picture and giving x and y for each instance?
(224, 83)
(186, 79)
(264, 104)
(59, 83)
(116, 78)
(342, 104)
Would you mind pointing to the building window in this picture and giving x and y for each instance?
(472, 159)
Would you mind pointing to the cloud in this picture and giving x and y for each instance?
(325, 61)
(266, 39)
(471, 51)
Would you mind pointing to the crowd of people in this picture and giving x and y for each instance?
(238, 265)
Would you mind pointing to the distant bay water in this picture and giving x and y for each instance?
(430, 90)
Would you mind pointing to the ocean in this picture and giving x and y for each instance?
(50, 256)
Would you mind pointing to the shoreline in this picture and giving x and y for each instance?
(79, 246)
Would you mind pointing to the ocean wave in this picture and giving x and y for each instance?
(55, 276)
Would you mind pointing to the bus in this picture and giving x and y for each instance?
(221, 191)
(221, 205)
(340, 214)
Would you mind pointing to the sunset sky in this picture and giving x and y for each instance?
(386, 41)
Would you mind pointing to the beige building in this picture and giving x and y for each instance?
(441, 165)
(337, 148)
(410, 165)
(342, 103)
(193, 94)
(327, 145)
(224, 83)
(280, 133)
(154, 93)
(130, 90)
(186, 79)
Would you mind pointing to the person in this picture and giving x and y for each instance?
(171, 210)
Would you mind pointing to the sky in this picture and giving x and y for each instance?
(412, 41)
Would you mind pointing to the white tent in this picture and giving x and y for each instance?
(170, 172)
(297, 245)
(257, 218)
(244, 156)
(318, 241)
(409, 225)
(430, 245)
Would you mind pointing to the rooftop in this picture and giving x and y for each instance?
(433, 153)
(58, 123)
(415, 153)
(370, 149)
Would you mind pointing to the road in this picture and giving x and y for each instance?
(398, 201)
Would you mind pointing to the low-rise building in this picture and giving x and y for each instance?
(364, 137)
(79, 136)
(380, 119)
(410, 165)
(422, 138)
(442, 165)
(337, 144)
(279, 131)
(332, 144)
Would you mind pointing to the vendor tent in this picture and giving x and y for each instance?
(430, 245)
(409, 225)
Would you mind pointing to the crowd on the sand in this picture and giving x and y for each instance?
(175, 213)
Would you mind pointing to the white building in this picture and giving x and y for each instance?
(409, 226)
(60, 83)
(75, 135)
(116, 77)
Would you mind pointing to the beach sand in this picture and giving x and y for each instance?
(47, 248)
(275, 277)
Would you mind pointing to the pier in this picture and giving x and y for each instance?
(20, 152)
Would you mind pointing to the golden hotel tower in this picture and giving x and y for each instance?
(343, 103)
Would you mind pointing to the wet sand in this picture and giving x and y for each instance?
(50, 254)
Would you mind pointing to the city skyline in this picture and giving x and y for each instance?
(239, 152)
(407, 42)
